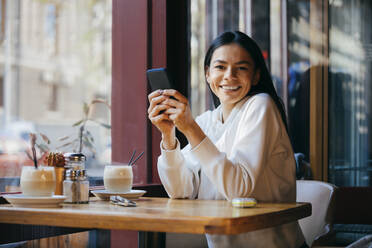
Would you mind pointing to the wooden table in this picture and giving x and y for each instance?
(161, 215)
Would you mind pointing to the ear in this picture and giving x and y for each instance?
(207, 74)
(256, 77)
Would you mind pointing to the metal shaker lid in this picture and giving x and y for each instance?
(72, 174)
(82, 174)
(75, 157)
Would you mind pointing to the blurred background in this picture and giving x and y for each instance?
(55, 55)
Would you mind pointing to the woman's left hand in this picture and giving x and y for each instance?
(179, 111)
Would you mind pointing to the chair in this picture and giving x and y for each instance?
(365, 242)
(352, 218)
(320, 195)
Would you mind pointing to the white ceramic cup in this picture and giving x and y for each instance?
(118, 178)
(39, 181)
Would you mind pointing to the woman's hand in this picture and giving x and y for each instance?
(180, 113)
(158, 117)
(178, 110)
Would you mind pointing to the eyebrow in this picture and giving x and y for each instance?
(238, 63)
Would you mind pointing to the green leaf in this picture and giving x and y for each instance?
(103, 124)
(77, 123)
(87, 143)
(86, 109)
(45, 138)
(90, 136)
(63, 138)
(91, 148)
(64, 145)
(42, 147)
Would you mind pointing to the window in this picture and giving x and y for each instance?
(55, 56)
(319, 54)
(208, 20)
(350, 87)
(298, 90)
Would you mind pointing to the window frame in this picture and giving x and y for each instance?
(158, 38)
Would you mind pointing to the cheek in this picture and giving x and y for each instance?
(215, 77)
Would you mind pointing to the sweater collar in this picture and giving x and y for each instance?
(218, 112)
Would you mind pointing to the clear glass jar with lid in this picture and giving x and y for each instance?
(76, 186)
(71, 186)
(75, 161)
(83, 186)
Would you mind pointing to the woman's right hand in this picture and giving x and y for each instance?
(160, 119)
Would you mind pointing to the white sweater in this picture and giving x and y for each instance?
(249, 155)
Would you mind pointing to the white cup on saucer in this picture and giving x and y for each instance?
(40, 181)
(118, 178)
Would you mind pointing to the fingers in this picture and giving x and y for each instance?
(154, 94)
(176, 112)
(158, 114)
(155, 100)
(156, 120)
(175, 104)
(157, 109)
(178, 96)
(169, 106)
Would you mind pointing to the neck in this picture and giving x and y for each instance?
(226, 110)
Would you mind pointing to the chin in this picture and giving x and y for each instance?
(229, 101)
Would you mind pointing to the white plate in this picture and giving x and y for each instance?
(20, 200)
(105, 195)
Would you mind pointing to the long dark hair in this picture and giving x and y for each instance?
(265, 84)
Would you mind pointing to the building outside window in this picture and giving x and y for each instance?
(54, 57)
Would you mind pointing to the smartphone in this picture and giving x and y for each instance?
(159, 79)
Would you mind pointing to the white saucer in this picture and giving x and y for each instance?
(19, 200)
(105, 195)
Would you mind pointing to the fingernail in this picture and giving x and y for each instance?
(161, 92)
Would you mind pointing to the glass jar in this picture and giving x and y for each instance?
(71, 186)
(75, 161)
(84, 186)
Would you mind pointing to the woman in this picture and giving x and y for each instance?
(240, 149)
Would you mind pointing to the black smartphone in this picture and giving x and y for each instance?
(159, 79)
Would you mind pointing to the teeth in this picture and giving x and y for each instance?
(230, 87)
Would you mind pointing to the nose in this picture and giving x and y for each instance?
(230, 74)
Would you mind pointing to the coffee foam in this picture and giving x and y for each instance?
(118, 171)
(41, 174)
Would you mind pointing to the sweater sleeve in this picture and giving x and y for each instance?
(179, 169)
(178, 172)
(258, 131)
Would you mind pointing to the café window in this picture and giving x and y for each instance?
(319, 46)
(209, 19)
(350, 88)
(55, 56)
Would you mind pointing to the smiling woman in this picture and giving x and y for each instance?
(240, 149)
(230, 76)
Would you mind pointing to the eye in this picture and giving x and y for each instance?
(219, 67)
(242, 68)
